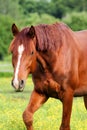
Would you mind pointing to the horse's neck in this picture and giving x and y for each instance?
(43, 63)
(48, 58)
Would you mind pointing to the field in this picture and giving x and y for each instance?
(48, 117)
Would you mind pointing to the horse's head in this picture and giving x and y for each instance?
(23, 55)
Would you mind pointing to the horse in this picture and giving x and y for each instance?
(50, 53)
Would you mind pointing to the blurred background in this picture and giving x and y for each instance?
(33, 12)
(26, 13)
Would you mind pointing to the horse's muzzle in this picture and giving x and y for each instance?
(19, 86)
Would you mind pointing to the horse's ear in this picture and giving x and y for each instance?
(31, 32)
(15, 30)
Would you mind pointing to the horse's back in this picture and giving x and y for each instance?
(82, 37)
(82, 43)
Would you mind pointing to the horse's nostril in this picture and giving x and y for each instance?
(21, 85)
(22, 82)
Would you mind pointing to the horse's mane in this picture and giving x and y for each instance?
(49, 37)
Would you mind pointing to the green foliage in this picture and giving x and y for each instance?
(61, 7)
(77, 5)
(10, 7)
(77, 21)
(35, 18)
(5, 34)
(57, 8)
(33, 12)
(33, 6)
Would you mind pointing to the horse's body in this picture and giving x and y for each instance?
(82, 38)
(65, 54)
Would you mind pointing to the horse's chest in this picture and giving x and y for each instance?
(43, 86)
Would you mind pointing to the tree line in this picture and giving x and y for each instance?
(28, 12)
(56, 8)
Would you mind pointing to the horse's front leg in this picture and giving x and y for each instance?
(36, 101)
(67, 108)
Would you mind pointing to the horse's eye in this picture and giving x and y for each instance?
(32, 53)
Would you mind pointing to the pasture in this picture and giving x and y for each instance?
(48, 117)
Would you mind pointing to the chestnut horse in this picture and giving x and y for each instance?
(63, 54)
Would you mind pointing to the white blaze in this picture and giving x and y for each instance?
(20, 52)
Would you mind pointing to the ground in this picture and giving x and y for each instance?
(48, 117)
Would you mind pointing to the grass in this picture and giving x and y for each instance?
(6, 69)
(6, 66)
(48, 117)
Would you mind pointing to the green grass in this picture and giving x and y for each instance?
(48, 117)
(6, 66)
(6, 69)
